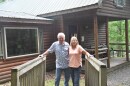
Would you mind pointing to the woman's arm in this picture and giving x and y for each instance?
(85, 53)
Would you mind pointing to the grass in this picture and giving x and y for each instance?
(52, 83)
(50, 80)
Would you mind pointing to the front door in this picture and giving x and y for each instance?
(73, 31)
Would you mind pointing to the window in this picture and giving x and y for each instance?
(119, 3)
(21, 41)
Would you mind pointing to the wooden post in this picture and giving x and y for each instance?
(14, 78)
(103, 76)
(96, 36)
(44, 72)
(61, 23)
(126, 40)
(86, 73)
(107, 41)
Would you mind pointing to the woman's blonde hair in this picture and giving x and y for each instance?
(73, 38)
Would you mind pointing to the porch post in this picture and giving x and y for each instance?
(96, 36)
(61, 23)
(126, 40)
(107, 41)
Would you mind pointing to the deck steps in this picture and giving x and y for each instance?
(7, 65)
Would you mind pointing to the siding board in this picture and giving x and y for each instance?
(109, 9)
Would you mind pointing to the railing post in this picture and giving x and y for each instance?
(15, 77)
(44, 72)
(86, 72)
(95, 72)
(31, 73)
(103, 76)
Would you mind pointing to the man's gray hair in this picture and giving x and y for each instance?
(61, 34)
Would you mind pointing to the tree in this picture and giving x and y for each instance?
(2, 1)
(117, 35)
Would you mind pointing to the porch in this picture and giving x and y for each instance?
(115, 63)
(95, 69)
(118, 66)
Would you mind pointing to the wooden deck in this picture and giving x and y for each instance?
(116, 63)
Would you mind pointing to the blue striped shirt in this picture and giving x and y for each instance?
(61, 52)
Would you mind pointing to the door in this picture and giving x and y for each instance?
(73, 31)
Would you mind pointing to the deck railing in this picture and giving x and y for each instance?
(118, 49)
(31, 73)
(95, 72)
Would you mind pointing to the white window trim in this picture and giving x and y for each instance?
(118, 5)
(5, 42)
(1, 44)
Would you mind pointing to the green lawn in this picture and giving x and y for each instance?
(51, 82)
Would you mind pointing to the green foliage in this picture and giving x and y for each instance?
(117, 35)
(2, 1)
(117, 31)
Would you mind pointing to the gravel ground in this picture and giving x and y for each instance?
(120, 77)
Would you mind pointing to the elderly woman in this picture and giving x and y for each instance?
(75, 60)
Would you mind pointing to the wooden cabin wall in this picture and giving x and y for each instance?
(58, 24)
(87, 31)
(86, 28)
(48, 39)
(5, 66)
(102, 31)
(109, 9)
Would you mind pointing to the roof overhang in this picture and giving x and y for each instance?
(22, 20)
(95, 6)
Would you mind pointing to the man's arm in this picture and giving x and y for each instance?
(45, 53)
(50, 50)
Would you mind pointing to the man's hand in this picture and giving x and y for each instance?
(41, 55)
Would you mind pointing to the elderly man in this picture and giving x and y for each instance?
(60, 48)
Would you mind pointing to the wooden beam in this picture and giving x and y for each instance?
(61, 23)
(126, 40)
(20, 20)
(107, 43)
(96, 36)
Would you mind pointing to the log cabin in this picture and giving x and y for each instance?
(20, 41)
(86, 19)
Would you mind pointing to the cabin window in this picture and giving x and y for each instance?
(119, 3)
(21, 41)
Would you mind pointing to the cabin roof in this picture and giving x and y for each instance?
(37, 7)
(8, 16)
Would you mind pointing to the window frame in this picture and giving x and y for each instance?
(120, 5)
(1, 44)
(5, 42)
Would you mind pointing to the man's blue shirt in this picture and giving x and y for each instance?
(61, 52)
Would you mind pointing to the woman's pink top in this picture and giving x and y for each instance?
(75, 59)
